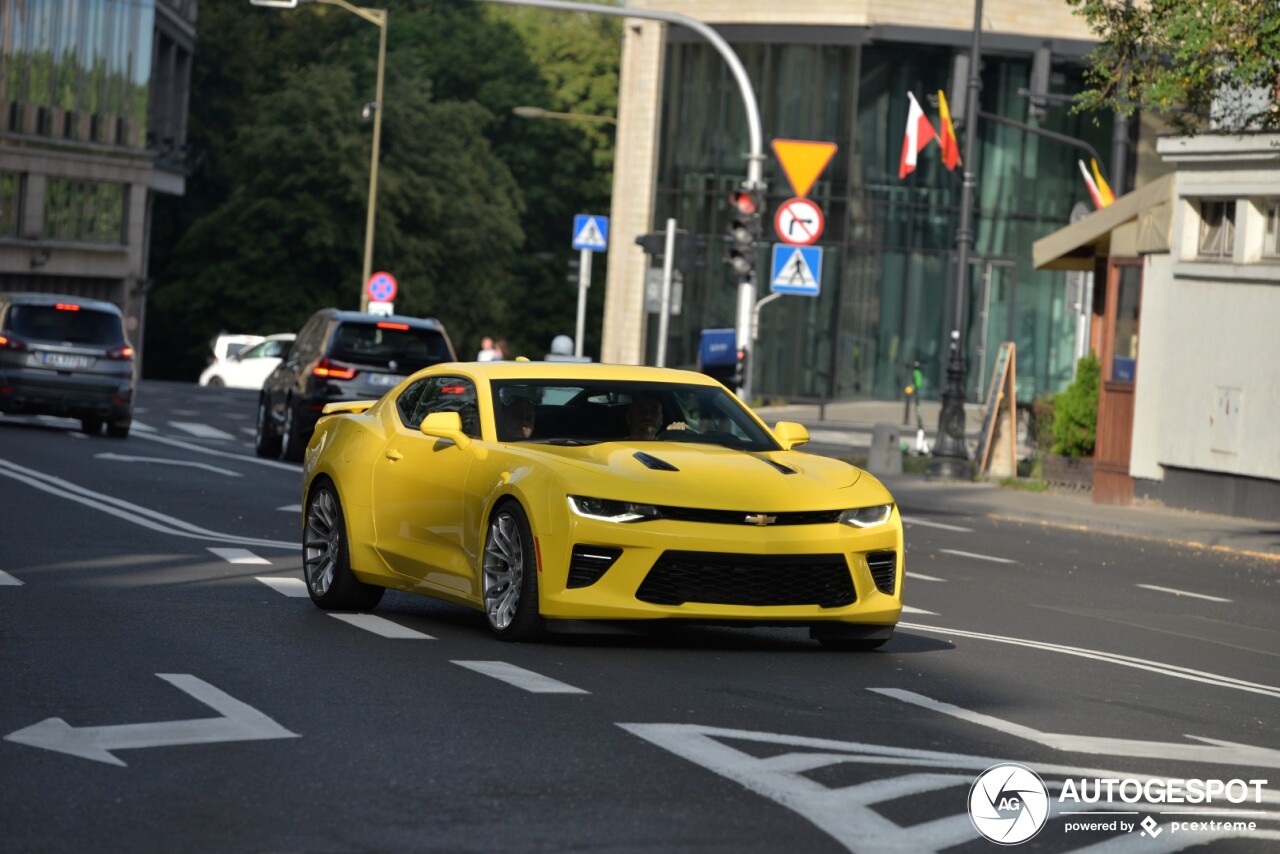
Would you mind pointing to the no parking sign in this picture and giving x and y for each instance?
(381, 288)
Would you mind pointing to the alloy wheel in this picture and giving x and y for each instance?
(322, 542)
(503, 570)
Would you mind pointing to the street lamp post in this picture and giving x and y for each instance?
(377, 17)
(950, 455)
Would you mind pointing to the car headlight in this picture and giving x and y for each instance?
(867, 517)
(608, 510)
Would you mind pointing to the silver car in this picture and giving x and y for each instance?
(66, 356)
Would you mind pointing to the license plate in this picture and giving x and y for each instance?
(383, 379)
(65, 360)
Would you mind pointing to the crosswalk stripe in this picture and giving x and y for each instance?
(238, 556)
(520, 678)
(203, 431)
(7, 580)
(379, 626)
(294, 588)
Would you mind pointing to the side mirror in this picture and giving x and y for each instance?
(445, 425)
(790, 434)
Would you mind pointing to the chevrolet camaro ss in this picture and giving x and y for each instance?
(551, 494)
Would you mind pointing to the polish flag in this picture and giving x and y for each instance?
(1094, 193)
(919, 133)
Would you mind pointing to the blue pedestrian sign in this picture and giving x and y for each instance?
(796, 270)
(591, 232)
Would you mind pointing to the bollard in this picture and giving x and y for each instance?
(885, 456)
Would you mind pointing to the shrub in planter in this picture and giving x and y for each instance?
(1075, 411)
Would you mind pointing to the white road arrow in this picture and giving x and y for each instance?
(239, 722)
(1212, 751)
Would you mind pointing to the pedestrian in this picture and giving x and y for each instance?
(501, 349)
(488, 352)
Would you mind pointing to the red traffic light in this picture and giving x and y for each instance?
(744, 202)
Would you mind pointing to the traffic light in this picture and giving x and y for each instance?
(740, 370)
(744, 231)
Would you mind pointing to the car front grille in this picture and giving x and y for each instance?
(742, 517)
(739, 579)
(883, 566)
(588, 563)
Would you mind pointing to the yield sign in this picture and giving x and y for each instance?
(798, 222)
(803, 161)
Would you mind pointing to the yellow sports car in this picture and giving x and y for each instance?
(548, 493)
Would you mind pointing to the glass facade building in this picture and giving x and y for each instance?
(889, 245)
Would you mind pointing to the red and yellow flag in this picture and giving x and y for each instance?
(950, 148)
(1103, 189)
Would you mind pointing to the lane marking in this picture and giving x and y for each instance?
(911, 520)
(124, 458)
(976, 556)
(199, 429)
(291, 508)
(908, 609)
(128, 511)
(216, 452)
(7, 580)
(380, 626)
(1181, 592)
(138, 425)
(520, 678)
(1171, 670)
(918, 577)
(294, 588)
(239, 556)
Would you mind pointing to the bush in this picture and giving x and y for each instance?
(1075, 411)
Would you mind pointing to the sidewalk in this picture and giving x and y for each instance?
(850, 423)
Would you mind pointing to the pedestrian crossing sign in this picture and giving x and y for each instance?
(796, 270)
(591, 232)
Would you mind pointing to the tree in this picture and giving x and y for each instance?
(1194, 61)
(1075, 411)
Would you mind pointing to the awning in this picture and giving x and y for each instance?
(1077, 245)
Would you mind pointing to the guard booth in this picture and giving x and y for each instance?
(1111, 243)
(718, 355)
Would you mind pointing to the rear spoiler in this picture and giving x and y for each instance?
(352, 407)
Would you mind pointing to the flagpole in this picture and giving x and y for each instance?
(950, 454)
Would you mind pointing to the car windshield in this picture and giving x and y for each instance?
(411, 348)
(579, 413)
(71, 323)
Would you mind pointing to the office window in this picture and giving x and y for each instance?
(1271, 246)
(1217, 230)
(84, 211)
(10, 201)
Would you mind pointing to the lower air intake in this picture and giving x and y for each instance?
(884, 570)
(588, 563)
(737, 579)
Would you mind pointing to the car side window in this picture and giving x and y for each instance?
(440, 394)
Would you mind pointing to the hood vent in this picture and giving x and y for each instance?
(779, 466)
(652, 462)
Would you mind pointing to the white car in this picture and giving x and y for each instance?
(248, 368)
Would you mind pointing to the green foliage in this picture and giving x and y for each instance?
(1186, 59)
(474, 206)
(1075, 412)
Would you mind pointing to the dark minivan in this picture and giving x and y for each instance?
(341, 356)
(66, 356)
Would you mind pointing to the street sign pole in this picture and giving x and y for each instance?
(584, 282)
(664, 312)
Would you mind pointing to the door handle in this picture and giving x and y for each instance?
(393, 455)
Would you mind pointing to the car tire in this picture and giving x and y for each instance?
(852, 644)
(326, 557)
(91, 426)
(118, 429)
(265, 442)
(215, 382)
(292, 446)
(509, 576)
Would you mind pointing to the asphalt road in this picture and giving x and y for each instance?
(150, 598)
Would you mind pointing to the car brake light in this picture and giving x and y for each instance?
(121, 354)
(403, 327)
(453, 389)
(326, 367)
(66, 306)
(8, 343)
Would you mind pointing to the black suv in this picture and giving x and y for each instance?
(66, 356)
(340, 356)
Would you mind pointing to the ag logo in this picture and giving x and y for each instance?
(1008, 804)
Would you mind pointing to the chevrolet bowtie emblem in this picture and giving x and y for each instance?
(761, 519)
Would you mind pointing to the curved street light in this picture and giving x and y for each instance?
(377, 17)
